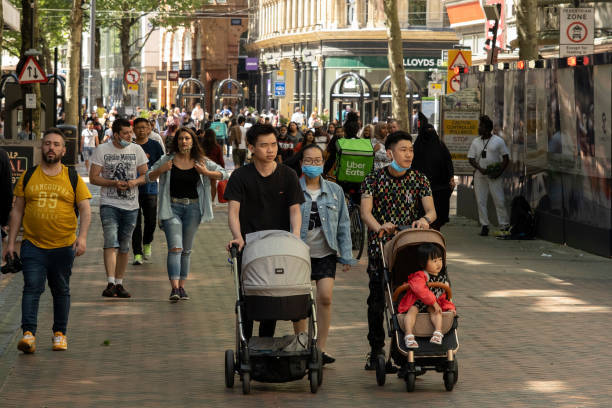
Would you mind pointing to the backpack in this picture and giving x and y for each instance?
(72, 175)
(355, 159)
(522, 219)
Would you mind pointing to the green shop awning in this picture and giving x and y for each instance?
(411, 63)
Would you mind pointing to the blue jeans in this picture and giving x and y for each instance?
(39, 264)
(180, 232)
(118, 226)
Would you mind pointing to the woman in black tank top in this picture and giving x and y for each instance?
(187, 166)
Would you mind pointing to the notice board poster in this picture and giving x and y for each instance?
(460, 127)
(21, 158)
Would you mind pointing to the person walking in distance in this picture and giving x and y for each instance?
(89, 141)
(489, 156)
(119, 168)
(262, 195)
(147, 195)
(238, 141)
(46, 197)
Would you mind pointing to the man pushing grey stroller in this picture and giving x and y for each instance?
(266, 196)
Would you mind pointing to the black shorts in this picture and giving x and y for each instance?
(323, 267)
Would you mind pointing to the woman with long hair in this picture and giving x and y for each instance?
(212, 150)
(184, 202)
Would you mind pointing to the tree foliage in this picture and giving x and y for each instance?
(125, 19)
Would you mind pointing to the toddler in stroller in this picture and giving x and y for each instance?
(419, 298)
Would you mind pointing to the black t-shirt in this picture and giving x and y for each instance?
(286, 148)
(184, 183)
(264, 201)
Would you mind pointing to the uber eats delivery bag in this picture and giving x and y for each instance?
(355, 159)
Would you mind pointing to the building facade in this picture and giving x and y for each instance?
(312, 43)
(207, 49)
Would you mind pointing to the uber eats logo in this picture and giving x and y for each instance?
(354, 168)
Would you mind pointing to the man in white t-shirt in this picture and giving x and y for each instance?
(489, 155)
(89, 141)
(298, 117)
(115, 167)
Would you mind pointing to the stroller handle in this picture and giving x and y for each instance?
(406, 286)
(234, 250)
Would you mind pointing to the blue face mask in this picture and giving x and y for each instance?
(124, 143)
(312, 171)
(398, 168)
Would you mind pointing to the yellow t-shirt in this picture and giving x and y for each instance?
(49, 220)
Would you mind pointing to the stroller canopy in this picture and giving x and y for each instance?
(411, 238)
(275, 263)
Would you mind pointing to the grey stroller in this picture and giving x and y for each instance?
(274, 284)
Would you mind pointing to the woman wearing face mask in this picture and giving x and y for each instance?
(184, 201)
(326, 230)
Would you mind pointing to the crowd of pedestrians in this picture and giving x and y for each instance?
(278, 182)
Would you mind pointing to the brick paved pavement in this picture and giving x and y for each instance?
(532, 334)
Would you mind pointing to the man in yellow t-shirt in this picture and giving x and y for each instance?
(50, 243)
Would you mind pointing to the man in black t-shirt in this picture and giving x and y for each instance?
(262, 196)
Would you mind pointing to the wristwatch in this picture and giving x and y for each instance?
(427, 219)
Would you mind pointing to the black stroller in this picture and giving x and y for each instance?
(274, 284)
(399, 262)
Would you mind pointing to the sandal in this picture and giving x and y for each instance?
(410, 341)
(436, 338)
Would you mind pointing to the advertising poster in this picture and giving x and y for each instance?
(21, 158)
(508, 116)
(564, 159)
(461, 114)
(602, 76)
(585, 111)
(536, 99)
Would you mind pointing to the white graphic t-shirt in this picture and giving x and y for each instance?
(119, 164)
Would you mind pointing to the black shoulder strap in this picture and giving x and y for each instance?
(27, 176)
(74, 179)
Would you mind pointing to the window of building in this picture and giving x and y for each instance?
(350, 12)
(417, 12)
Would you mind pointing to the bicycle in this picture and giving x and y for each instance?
(357, 227)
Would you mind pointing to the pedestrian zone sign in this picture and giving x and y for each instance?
(31, 72)
(279, 89)
(576, 31)
(456, 58)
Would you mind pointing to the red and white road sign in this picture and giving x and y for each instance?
(132, 76)
(577, 32)
(455, 83)
(31, 72)
(576, 27)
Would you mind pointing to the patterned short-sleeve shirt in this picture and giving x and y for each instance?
(394, 199)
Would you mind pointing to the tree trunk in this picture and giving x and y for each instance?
(526, 25)
(1, 33)
(74, 64)
(124, 40)
(399, 104)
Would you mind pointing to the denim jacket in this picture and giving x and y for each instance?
(334, 216)
(164, 208)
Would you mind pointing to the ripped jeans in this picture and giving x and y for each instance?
(180, 231)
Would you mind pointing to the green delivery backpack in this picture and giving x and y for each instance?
(355, 160)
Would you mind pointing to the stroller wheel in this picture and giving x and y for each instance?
(410, 380)
(229, 368)
(246, 383)
(449, 380)
(314, 380)
(380, 370)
